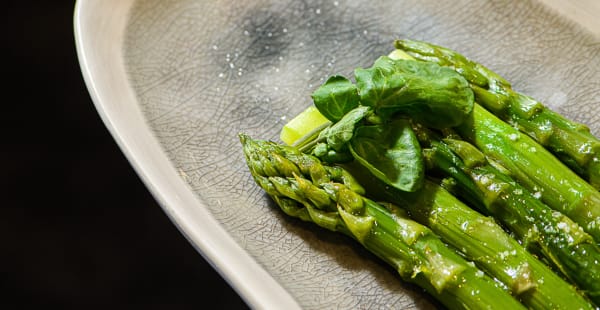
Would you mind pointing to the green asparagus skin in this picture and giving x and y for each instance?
(480, 239)
(535, 168)
(329, 197)
(571, 142)
(531, 164)
(558, 238)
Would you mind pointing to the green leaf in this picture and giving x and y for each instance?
(436, 96)
(336, 97)
(341, 132)
(391, 153)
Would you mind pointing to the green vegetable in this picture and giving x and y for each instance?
(571, 142)
(501, 171)
(480, 239)
(306, 189)
(388, 89)
(336, 97)
(339, 134)
(535, 168)
(531, 164)
(391, 152)
(331, 144)
(557, 237)
(304, 127)
(422, 91)
(475, 73)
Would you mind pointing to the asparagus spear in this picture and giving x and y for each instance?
(558, 238)
(531, 164)
(535, 168)
(569, 141)
(329, 197)
(480, 239)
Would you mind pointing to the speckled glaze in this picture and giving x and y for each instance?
(194, 74)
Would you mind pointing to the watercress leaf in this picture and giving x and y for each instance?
(336, 97)
(391, 153)
(341, 132)
(376, 83)
(433, 95)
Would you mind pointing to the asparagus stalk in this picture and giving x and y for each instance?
(329, 197)
(480, 239)
(569, 141)
(531, 164)
(535, 168)
(558, 238)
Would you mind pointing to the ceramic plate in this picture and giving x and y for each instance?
(176, 81)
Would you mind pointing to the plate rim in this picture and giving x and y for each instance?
(106, 20)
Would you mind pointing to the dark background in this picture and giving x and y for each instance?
(78, 229)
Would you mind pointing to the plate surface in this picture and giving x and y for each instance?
(176, 81)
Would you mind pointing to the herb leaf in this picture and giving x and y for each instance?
(433, 95)
(336, 97)
(391, 153)
(341, 132)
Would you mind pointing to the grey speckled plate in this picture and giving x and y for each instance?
(175, 81)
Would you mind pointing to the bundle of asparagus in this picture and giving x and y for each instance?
(413, 130)
(571, 142)
(530, 163)
(328, 196)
